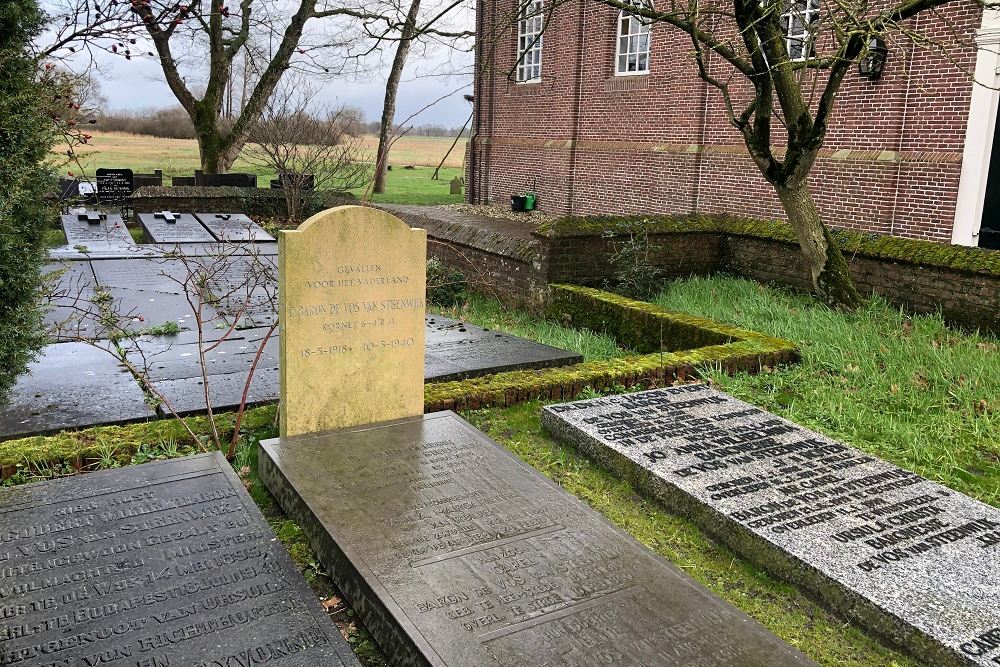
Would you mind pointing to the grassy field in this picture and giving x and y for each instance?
(179, 157)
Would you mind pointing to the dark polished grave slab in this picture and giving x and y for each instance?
(96, 229)
(459, 350)
(912, 559)
(163, 564)
(454, 552)
(169, 227)
(233, 227)
(150, 290)
(69, 290)
(72, 385)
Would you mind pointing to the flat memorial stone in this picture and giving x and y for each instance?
(233, 227)
(914, 560)
(96, 229)
(456, 553)
(156, 565)
(168, 227)
(459, 350)
(71, 385)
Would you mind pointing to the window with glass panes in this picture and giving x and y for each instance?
(529, 41)
(632, 54)
(796, 22)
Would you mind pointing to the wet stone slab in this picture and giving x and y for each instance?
(233, 227)
(162, 564)
(459, 350)
(911, 559)
(96, 229)
(72, 385)
(169, 227)
(454, 552)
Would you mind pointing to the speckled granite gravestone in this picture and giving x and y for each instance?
(456, 553)
(168, 227)
(96, 229)
(233, 227)
(909, 558)
(159, 565)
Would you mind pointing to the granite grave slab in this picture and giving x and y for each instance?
(70, 288)
(168, 227)
(149, 290)
(95, 229)
(69, 386)
(235, 227)
(912, 559)
(459, 350)
(456, 553)
(158, 565)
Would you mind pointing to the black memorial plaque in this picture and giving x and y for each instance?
(234, 227)
(167, 564)
(454, 552)
(114, 185)
(917, 561)
(169, 227)
(96, 229)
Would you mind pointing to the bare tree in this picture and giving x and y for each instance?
(779, 85)
(311, 148)
(208, 36)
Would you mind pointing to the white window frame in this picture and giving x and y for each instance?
(530, 23)
(637, 27)
(805, 13)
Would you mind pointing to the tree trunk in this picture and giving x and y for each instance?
(391, 89)
(830, 275)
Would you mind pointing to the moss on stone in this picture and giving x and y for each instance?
(852, 242)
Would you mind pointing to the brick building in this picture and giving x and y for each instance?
(595, 124)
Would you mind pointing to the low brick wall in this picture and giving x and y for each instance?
(517, 264)
(255, 202)
(966, 298)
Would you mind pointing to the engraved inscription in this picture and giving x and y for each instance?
(152, 576)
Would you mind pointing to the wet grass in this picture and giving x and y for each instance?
(906, 388)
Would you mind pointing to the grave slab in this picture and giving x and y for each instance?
(235, 227)
(167, 563)
(913, 560)
(71, 289)
(94, 229)
(459, 350)
(456, 553)
(72, 385)
(168, 227)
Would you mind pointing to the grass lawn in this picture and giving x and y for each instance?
(179, 157)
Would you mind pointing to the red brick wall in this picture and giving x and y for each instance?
(589, 142)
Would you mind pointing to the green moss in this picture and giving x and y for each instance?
(82, 448)
(913, 251)
(656, 224)
(641, 326)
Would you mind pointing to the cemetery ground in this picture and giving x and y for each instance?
(179, 157)
(907, 389)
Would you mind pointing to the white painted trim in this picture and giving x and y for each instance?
(979, 133)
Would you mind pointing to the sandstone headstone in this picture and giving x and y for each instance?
(457, 554)
(166, 564)
(917, 561)
(351, 312)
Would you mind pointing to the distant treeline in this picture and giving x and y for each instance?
(174, 123)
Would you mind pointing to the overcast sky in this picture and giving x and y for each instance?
(139, 83)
